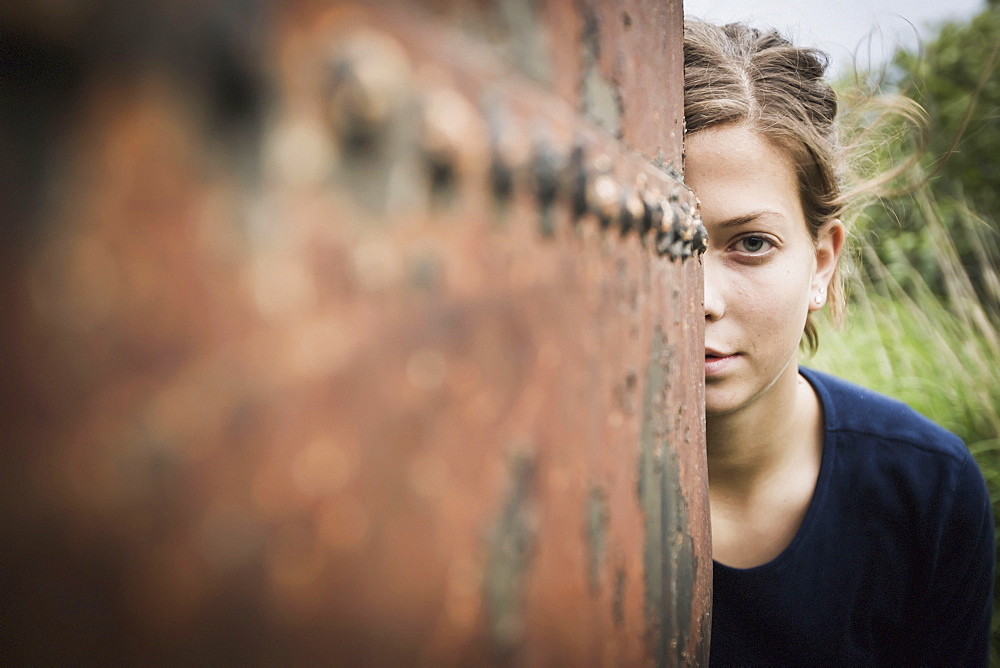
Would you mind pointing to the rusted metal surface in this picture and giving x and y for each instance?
(378, 339)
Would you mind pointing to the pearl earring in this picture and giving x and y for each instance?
(819, 297)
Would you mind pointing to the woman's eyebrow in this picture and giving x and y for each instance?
(745, 218)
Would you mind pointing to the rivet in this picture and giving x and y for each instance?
(653, 212)
(604, 196)
(684, 229)
(667, 243)
(501, 178)
(654, 205)
(510, 154)
(545, 174)
(447, 129)
(646, 199)
(369, 79)
(666, 236)
(605, 199)
(668, 216)
(700, 242)
(634, 211)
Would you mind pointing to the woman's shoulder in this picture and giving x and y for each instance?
(872, 417)
(879, 450)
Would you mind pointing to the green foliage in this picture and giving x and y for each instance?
(956, 79)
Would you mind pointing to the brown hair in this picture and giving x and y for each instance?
(735, 74)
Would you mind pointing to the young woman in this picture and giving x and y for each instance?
(847, 529)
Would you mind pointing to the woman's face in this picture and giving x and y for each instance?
(763, 271)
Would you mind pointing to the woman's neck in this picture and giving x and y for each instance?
(748, 446)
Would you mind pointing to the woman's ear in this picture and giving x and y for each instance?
(829, 244)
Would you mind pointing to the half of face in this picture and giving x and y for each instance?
(763, 268)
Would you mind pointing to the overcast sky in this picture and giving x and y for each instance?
(865, 30)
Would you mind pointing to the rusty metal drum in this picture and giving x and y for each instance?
(346, 332)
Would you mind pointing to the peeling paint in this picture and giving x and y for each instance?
(601, 99)
(527, 46)
(669, 555)
(597, 539)
(618, 601)
(512, 539)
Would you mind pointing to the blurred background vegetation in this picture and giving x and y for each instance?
(923, 315)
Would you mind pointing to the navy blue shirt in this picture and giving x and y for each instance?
(893, 563)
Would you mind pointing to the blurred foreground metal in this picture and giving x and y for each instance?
(341, 333)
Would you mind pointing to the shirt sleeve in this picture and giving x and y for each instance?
(960, 597)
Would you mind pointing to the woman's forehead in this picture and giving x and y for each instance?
(735, 172)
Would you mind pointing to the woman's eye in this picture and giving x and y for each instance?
(753, 244)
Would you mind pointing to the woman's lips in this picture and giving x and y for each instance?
(717, 363)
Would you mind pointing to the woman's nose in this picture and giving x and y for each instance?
(714, 304)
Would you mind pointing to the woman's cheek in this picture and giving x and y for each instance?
(779, 300)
